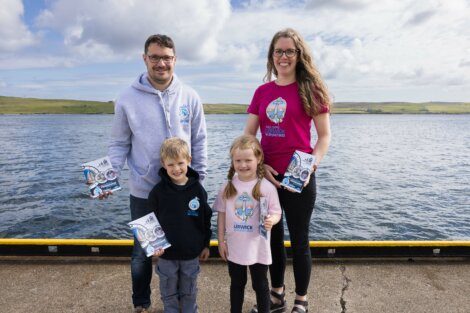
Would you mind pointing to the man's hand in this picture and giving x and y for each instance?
(105, 195)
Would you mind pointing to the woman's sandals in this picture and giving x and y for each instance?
(297, 309)
(280, 307)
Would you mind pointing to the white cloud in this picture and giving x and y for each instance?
(14, 33)
(104, 30)
(11, 62)
(366, 50)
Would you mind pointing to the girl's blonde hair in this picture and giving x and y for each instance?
(242, 143)
(312, 90)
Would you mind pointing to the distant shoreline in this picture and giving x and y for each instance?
(16, 105)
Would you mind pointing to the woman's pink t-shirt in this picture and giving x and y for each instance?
(284, 125)
(245, 244)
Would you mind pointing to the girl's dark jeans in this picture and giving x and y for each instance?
(259, 280)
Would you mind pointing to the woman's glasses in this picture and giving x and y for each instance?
(290, 53)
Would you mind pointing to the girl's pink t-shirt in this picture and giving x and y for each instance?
(245, 244)
(284, 125)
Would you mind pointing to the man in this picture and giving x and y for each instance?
(155, 107)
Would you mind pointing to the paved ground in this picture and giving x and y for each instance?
(54, 284)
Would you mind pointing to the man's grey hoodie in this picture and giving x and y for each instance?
(143, 118)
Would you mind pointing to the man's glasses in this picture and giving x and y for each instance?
(290, 53)
(156, 58)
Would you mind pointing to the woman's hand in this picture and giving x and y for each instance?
(223, 251)
(269, 173)
(312, 170)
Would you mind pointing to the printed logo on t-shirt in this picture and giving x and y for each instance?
(244, 206)
(184, 114)
(193, 207)
(276, 110)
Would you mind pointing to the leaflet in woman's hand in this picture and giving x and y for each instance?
(298, 171)
(101, 176)
(149, 233)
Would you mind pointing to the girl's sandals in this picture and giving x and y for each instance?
(297, 309)
(280, 307)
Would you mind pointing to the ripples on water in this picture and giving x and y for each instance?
(386, 177)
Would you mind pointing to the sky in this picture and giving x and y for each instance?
(366, 50)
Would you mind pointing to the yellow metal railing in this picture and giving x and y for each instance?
(214, 243)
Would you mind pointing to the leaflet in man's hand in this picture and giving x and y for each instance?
(263, 212)
(149, 233)
(101, 176)
(298, 171)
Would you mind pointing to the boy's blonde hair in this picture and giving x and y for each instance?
(245, 142)
(174, 148)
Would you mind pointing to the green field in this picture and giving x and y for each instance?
(14, 105)
(402, 108)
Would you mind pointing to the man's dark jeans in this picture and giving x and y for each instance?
(141, 265)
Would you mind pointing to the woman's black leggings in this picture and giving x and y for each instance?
(298, 208)
(259, 280)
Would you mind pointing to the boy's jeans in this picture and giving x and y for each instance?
(178, 284)
(141, 265)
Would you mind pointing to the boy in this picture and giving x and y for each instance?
(180, 204)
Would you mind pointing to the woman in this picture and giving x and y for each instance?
(283, 110)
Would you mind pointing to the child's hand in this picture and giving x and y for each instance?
(204, 254)
(159, 252)
(268, 222)
(223, 251)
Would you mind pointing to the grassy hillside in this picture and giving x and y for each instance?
(402, 108)
(13, 105)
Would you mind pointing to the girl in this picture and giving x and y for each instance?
(243, 236)
(283, 109)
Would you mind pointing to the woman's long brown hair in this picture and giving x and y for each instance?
(312, 90)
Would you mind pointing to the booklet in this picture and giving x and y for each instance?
(101, 176)
(149, 233)
(298, 171)
(263, 212)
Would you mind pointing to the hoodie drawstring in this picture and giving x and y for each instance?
(166, 110)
